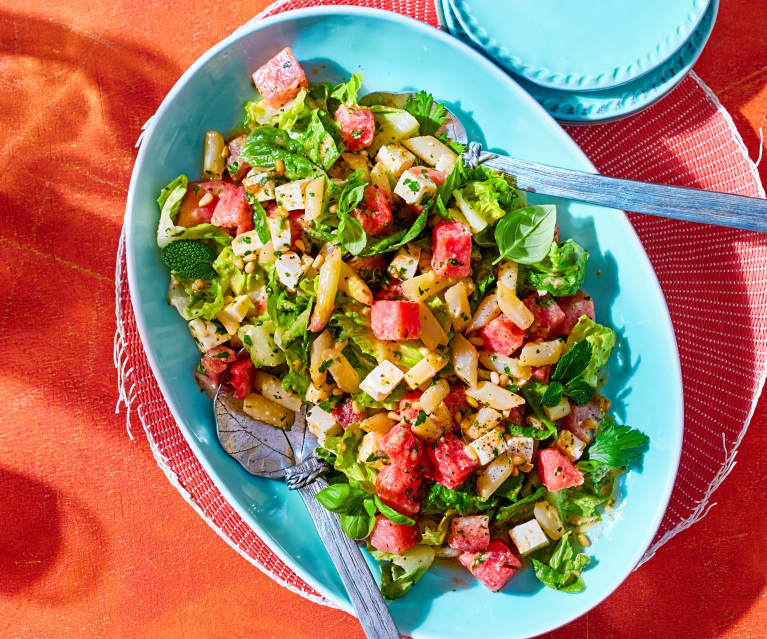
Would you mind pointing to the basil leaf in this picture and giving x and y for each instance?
(357, 526)
(393, 515)
(351, 235)
(553, 395)
(573, 362)
(451, 183)
(399, 238)
(342, 498)
(525, 235)
(259, 218)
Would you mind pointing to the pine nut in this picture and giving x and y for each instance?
(250, 257)
(279, 167)
(458, 417)
(297, 364)
(333, 208)
(249, 267)
(300, 245)
(239, 263)
(355, 406)
(526, 468)
(504, 379)
(494, 377)
(337, 391)
(477, 341)
(365, 311)
(583, 540)
(205, 199)
(517, 459)
(472, 402)
(198, 285)
(228, 299)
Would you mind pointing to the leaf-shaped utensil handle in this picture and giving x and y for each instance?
(369, 604)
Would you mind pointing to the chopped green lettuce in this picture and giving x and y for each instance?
(463, 500)
(266, 144)
(563, 569)
(345, 448)
(258, 340)
(561, 272)
(602, 340)
(259, 113)
(190, 304)
(400, 572)
(434, 534)
(521, 509)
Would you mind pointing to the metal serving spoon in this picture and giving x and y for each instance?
(676, 202)
(276, 453)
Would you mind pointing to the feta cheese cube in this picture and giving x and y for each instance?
(290, 196)
(246, 243)
(279, 229)
(289, 270)
(414, 188)
(206, 334)
(548, 517)
(528, 537)
(322, 424)
(489, 446)
(259, 184)
(382, 380)
(232, 314)
(405, 262)
(425, 369)
(484, 421)
(522, 446)
(559, 411)
(395, 158)
(570, 445)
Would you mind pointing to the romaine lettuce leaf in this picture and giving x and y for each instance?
(401, 572)
(267, 144)
(259, 113)
(563, 569)
(561, 272)
(521, 509)
(602, 340)
(434, 535)
(192, 304)
(463, 500)
(345, 449)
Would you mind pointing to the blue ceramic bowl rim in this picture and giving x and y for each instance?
(130, 239)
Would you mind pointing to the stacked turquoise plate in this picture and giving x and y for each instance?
(587, 62)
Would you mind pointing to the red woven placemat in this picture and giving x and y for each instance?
(714, 280)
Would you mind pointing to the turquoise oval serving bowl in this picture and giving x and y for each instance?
(644, 381)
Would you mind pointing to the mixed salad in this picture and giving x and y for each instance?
(341, 255)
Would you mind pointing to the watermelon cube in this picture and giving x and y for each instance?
(374, 211)
(237, 168)
(494, 566)
(279, 80)
(548, 315)
(243, 377)
(191, 213)
(583, 419)
(451, 249)
(502, 336)
(453, 461)
(395, 319)
(216, 361)
(357, 126)
(233, 211)
(402, 447)
(393, 538)
(557, 471)
(348, 413)
(398, 488)
(574, 307)
(469, 534)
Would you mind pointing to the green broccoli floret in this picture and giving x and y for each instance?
(190, 259)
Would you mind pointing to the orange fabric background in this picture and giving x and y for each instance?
(94, 541)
